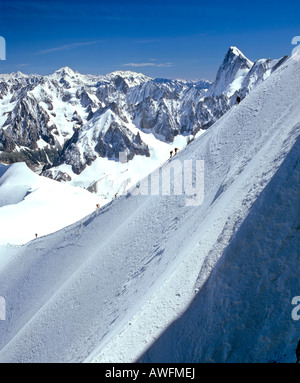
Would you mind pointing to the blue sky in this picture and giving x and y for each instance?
(172, 39)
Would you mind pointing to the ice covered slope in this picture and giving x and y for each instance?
(32, 204)
(106, 289)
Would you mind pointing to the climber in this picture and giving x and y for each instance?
(171, 153)
(238, 99)
(176, 150)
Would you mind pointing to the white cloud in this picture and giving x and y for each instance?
(65, 47)
(159, 65)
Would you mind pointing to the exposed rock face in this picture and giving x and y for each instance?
(234, 66)
(27, 123)
(119, 139)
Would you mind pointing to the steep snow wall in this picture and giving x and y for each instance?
(242, 313)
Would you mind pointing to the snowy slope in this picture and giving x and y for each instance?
(242, 312)
(105, 289)
(32, 204)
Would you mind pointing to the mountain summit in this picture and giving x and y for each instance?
(231, 73)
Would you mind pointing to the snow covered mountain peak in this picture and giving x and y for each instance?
(231, 73)
(65, 71)
(20, 74)
(130, 78)
(127, 74)
(70, 78)
(234, 51)
(16, 77)
(234, 55)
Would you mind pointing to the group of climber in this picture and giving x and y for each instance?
(175, 152)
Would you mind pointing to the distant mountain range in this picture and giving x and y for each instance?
(63, 123)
